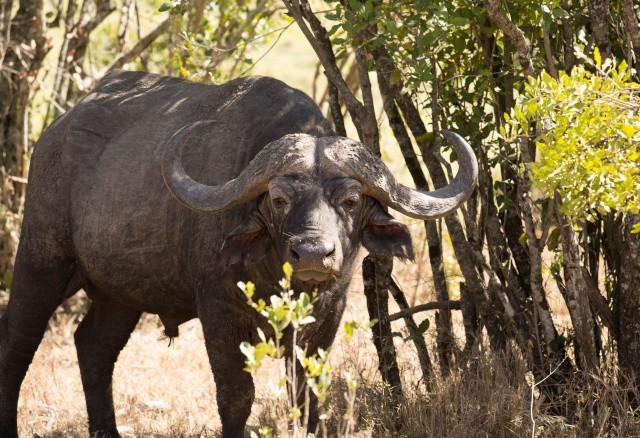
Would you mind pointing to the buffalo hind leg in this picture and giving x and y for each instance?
(35, 294)
(223, 333)
(100, 337)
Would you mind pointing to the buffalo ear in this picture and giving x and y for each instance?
(249, 242)
(385, 235)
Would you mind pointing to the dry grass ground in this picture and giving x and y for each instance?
(168, 391)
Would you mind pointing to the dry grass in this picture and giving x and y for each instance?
(162, 391)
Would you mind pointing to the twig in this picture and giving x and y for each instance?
(533, 387)
(142, 45)
(269, 50)
(523, 46)
(435, 305)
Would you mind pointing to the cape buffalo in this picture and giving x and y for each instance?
(265, 181)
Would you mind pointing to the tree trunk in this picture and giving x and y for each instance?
(444, 327)
(23, 56)
(628, 304)
(569, 57)
(414, 334)
(632, 33)
(577, 297)
(376, 272)
(599, 17)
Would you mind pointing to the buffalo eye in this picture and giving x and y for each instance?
(279, 196)
(349, 200)
(278, 203)
(350, 203)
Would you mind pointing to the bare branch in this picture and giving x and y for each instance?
(512, 31)
(141, 46)
(316, 35)
(549, 54)
(436, 305)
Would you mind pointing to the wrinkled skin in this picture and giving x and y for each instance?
(98, 216)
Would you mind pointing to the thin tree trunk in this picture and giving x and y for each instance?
(523, 46)
(599, 17)
(628, 304)
(535, 246)
(336, 109)
(124, 29)
(569, 55)
(55, 106)
(19, 70)
(578, 298)
(376, 272)
(414, 334)
(444, 327)
(549, 54)
(6, 6)
(66, 91)
(632, 32)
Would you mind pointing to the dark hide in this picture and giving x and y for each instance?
(98, 216)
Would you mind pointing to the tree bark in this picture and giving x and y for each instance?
(599, 17)
(376, 272)
(628, 304)
(438, 305)
(414, 334)
(578, 297)
(632, 32)
(444, 327)
(569, 56)
(6, 6)
(23, 56)
(523, 46)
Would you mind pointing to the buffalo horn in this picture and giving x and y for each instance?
(278, 157)
(358, 162)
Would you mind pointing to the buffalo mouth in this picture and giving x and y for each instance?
(310, 275)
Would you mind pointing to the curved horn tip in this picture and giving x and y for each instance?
(451, 136)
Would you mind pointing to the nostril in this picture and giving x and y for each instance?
(331, 253)
(294, 255)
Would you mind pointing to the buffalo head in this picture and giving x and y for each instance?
(318, 199)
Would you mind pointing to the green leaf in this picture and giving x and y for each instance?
(522, 240)
(560, 13)
(348, 329)
(627, 130)
(391, 27)
(459, 21)
(167, 6)
(8, 279)
(554, 239)
(395, 77)
(597, 58)
(424, 326)
(287, 269)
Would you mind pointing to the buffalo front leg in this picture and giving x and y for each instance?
(100, 337)
(225, 327)
(36, 292)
